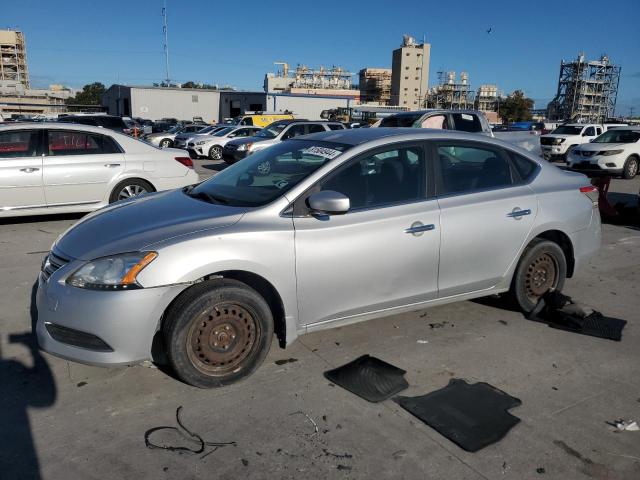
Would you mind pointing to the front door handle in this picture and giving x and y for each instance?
(418, 228)
(111, 165)
(29, 170)
(518, 214)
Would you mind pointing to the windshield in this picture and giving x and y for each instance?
(618, 136)
(271, 131)
(223, 132)
(175, 129)
(267, 174)
(567, 130)
(206, 129)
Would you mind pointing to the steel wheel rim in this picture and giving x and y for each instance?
(221, 338)
(215, 153)
(541, 276)
(131, 191)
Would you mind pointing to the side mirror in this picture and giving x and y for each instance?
(329, 202)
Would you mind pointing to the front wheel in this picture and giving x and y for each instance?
(630, 169)
(542, 268)
(217, 333)
(165, 143)
(215, 152)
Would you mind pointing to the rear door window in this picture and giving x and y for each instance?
(19, 143)
(69, 142)
(590, 132)
(466, 122)
(466, 168)
(315, 128)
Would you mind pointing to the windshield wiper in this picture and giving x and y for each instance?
(208, 197)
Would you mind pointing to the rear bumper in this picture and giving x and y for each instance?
(587, 242)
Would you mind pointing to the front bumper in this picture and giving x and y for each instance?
(125, 321)
(232, 156)
(550, 151)
(596, 164)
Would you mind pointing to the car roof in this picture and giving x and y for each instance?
(357, 136)
(430, 110)
(57, 126)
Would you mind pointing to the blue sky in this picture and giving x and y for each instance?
(77, 41)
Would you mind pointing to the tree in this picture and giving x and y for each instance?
(91, 94)
(516, 107)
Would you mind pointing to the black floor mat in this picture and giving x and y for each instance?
(559, 311)
(471, 416)
(369, 378)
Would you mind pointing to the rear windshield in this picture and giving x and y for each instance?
(567, 130)
(403, 120)
(110, 122)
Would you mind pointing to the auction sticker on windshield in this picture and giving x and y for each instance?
(325, 152)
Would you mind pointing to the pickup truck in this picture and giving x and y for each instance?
(556, 145)
(473, 121)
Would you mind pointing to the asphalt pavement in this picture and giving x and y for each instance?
(61, 420)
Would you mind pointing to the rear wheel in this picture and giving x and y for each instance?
(217, 333)
(630, 169)
(166, 143)
(129, 188)
(542, 268)
(215, 152)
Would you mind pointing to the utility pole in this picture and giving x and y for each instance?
(166, 43)
(631, 109)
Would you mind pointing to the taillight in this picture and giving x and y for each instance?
(186, 161)
(592, 192)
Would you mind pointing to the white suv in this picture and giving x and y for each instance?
(616, 152)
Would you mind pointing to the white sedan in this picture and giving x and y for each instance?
(211, 145)
(60, 168)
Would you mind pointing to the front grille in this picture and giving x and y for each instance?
(230, 147)
(586, 153)
(52, 263)
(546, 140)
(77, 338)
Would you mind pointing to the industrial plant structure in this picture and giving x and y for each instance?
(375, 85)
(310, 81)
(587, 90)
(450, 93)
(13, 58)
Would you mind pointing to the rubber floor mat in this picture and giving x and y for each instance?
(561, 312)
(470, 415)
(369, 378)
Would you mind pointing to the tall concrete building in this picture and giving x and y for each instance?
(13, 58)
(410, 73)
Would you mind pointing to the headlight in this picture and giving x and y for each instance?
(607, 153)
(117, 272)
(244, 146)
(558, 141)
(201, 142)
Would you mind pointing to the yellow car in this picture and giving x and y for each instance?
(261, 119)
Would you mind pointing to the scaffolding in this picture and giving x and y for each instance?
(587, 91)
(375, 85)
(450, 93)
(13, 57)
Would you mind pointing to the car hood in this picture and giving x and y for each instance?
(133, 225)
(559, 135)
(597, 147)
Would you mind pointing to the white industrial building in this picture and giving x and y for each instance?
(155, 103)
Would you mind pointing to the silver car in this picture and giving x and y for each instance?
(315, 232)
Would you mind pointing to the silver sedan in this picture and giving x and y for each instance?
(315, 232)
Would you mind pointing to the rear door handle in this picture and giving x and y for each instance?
(111, 165)
(518, 214)
(29, 170)
(418, 228)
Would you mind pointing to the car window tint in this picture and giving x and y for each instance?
(466, 122)
(68, 142)
(402, 120)
(18, 143)
(466, 169)
(316, 128)
(523, 166)
(295, 130)
(590, 132)
(385, 178)
(336, 126)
